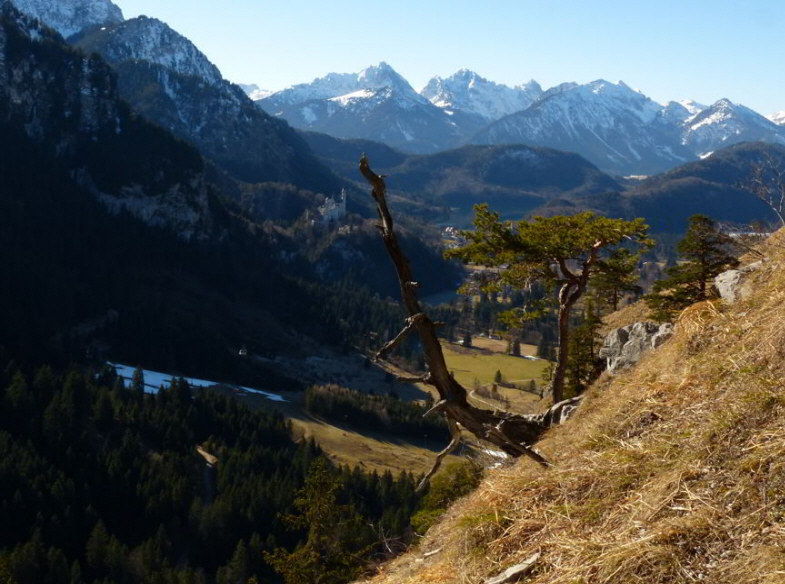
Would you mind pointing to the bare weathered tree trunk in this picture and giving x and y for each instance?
(512, 433)
(767, 182)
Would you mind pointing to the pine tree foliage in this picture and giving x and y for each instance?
(582, 367)
(615, 277)
(101, 483)
(335, 543)
(561, 252)
(705, 252)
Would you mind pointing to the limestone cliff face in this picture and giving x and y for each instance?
(69, 104)
(625, 346)
(671, 471)
(71, 16)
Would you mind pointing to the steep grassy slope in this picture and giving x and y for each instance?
(672, 472)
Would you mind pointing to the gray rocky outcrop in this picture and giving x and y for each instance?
(625, 346)
(731, 285)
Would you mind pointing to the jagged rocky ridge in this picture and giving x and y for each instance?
(468, 92)
(375, 104)
(617, 128)
(68, 17)
(170, 82)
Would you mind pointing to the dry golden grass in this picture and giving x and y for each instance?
(366, 450)
(670, 473)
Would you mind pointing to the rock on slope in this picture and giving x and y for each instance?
(671, 472)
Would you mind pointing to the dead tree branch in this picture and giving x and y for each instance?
(767, 182)
(512, 433)
(455, 432)
(411, 324)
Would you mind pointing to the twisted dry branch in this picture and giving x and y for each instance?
(511, 433)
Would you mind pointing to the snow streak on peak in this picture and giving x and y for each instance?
(725, 123)
(467, 91)
(692, 106)
(778, 118)
(71, 16)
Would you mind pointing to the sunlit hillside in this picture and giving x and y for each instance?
(671, 472)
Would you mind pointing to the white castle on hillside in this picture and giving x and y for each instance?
(333, 209)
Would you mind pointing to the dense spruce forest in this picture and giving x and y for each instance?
(103, 483)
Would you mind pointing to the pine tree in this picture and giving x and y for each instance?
(563, 253)
(334, 543)
(617, 276)
(137, 382)
(582, 364)
(705, 250)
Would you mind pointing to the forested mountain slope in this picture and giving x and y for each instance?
(114, 240)
(670, 472)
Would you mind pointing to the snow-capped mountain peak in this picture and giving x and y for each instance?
(341, 84)
(382, 75)
(469, 92)
(725, 123)
(609, 123)
(254, 91)
(71, 16)
(615, 97)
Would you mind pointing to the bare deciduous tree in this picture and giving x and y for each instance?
(767, 182)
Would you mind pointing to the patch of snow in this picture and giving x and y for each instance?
(153, 380)
(345, 99)
(254, 91)
(308, 114)
(778, 118)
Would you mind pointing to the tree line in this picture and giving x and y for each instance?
(102, 483)
(375, 412)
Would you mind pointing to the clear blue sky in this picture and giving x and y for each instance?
(697, 49)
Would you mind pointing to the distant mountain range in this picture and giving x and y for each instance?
(520, 147)
(619, 129)
(519, 181)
